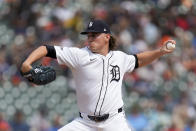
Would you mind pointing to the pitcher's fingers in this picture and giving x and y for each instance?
(172, 41)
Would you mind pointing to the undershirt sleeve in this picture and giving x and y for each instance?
(136, 61)
(51, 51)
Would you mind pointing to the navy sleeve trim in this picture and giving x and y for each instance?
(136, 61)
(51, 51)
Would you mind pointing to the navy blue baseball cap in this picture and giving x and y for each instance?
(97, 26)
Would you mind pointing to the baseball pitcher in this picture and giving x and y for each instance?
(98, 71)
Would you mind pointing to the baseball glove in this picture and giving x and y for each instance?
(40, 75)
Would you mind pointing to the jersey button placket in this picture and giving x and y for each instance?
(101, 93)
(104, 86)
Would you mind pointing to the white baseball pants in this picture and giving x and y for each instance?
(114, 123)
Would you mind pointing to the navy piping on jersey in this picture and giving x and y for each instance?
(101, 88)
(106, 86)
(136, 61)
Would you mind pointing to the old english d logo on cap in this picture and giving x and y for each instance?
(90, 24)
(96, 26)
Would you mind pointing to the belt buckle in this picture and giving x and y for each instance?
(99, 118)
(96, 119)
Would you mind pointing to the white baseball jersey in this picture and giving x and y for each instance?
(98, 78)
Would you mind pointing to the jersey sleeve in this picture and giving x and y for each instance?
(67, 56)
(131, 62)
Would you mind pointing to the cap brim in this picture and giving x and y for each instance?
(89, 31)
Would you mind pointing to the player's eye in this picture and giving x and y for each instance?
(93, 35)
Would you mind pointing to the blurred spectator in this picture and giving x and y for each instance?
(174, 128)
(4, 125)
(181, 114)
(56, 124)
(18, 123)
(39, 121)
(190, 126)
(150, 30)
(137, 119)
(4, 66)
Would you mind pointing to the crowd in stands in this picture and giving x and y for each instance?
(158, 97)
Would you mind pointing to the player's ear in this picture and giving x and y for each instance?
(107, 36)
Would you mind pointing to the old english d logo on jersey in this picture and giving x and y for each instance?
(115, 71)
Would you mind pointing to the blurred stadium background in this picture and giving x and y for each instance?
(158, 97)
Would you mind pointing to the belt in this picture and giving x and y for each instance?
(100, 118)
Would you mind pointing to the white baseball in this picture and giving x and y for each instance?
(170, 46)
